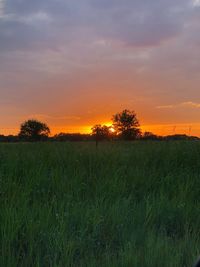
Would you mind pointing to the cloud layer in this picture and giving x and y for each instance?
(89, 58)
(188, 104)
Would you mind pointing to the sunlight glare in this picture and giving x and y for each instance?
(112, 129)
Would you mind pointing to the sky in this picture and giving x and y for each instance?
(73, 64)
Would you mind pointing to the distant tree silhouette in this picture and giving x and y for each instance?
(100, 132)
(72, 137)
(150, 136)
(126, 125)
(179, 137)
(9, 138)
(34, 130)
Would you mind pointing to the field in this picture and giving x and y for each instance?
(131, 204)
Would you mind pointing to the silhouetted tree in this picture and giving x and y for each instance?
(34, 130)
(9, 138)
(100, 132)
(180, 137)
(150, 136)
(126, 125)
(62, 137)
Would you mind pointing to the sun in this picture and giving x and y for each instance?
(112, 130)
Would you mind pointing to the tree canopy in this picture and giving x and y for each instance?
(34, 130)
(126, 124)
(100, 132)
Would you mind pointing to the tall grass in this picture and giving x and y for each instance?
(123, 205)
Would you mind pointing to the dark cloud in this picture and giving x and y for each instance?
(17, 35)
(136, 23)
(139, 22)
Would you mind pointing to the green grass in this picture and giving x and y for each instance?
(131, 204)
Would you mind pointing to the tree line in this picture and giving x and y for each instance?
(125, 126)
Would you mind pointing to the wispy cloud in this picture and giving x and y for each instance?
(189, 104)
(46, 117)
(30, 19)
(165, 107)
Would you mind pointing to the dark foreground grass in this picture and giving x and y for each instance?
(125, 205)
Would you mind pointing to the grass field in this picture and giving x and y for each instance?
(131, 204)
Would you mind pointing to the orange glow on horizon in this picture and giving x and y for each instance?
(83, 129)
(158, 129)
(192, 129)
(171, 129)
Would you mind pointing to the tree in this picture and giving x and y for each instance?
(150, 136)
(34, 130)
(100, 132)
(126, 125)
(62, 137)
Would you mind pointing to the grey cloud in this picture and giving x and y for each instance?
(188, 104)
(16, 35)
(141, 22)
(135, 23)
(72, 28)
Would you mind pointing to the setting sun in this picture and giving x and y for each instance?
(112, 129)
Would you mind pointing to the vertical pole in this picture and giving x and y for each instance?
(97, 141)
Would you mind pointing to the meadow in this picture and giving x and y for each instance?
(125, 204)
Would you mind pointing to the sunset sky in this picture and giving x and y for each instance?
(73, 64)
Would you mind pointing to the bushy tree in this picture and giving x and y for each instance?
(100, 132)
(126, 125)
(34, 130)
